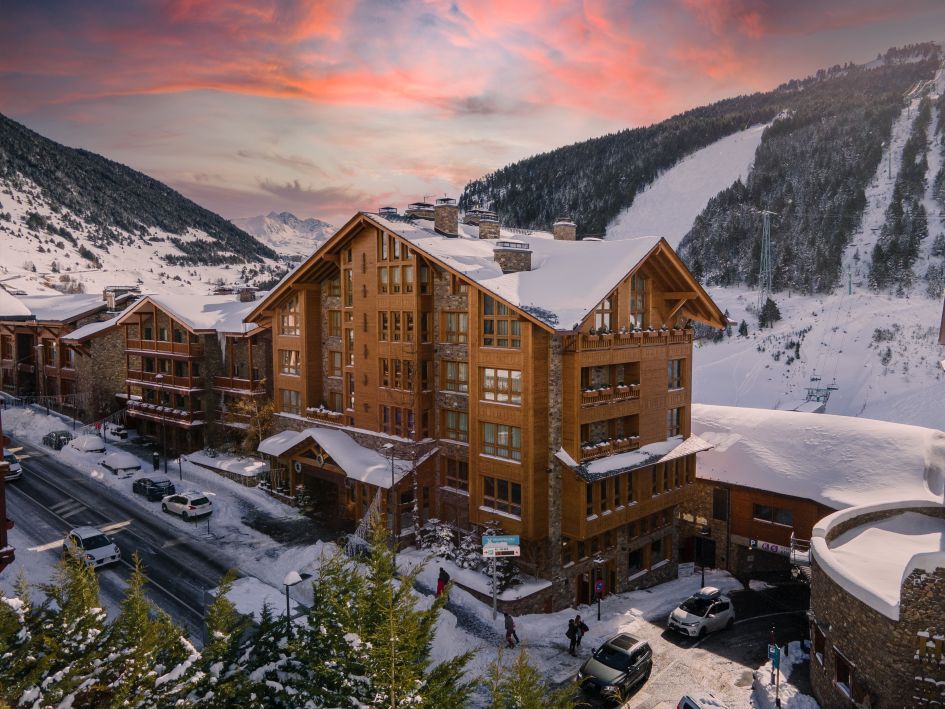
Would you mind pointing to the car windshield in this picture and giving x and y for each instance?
(162, 484)
(96, 542)
(200, 501)
(612, 657)
(10, 458)
(697, 606)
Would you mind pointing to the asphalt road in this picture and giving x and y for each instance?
(52, 498)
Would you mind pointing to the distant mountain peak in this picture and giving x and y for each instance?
(287, 233)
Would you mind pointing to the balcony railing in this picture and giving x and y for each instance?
(610, 394)
(169, 380)
(164, 347)
(326, 415)
(238, 384)
(166, 414)
(593, 451)
(620, 340)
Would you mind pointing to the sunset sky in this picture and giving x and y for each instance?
(322, 108)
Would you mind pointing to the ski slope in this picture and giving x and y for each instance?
(670, 205)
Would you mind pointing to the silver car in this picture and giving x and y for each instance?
(15, 471)
(704, 612)
(189, 505)
(92, 546)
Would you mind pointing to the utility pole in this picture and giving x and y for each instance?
(764, 270)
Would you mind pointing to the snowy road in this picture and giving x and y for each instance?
(52, 498)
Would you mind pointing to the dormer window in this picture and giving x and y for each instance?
(289, 316)
(604, 313)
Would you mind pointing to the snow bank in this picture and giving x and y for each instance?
(763, 692)
(839, 461)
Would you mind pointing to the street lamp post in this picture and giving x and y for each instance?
(599, 568)
(291, 579)
(41, 364)
(159, 378)
(704, 534)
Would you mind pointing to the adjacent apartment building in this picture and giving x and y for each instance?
(512, 379)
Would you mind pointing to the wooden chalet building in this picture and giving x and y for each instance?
(510, 378)
(187, 358)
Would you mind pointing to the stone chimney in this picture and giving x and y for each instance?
(513, 256)
(488, 227)
(446, 216)
(387, 212)
(246, 295)
(419, 210)
(564, 229)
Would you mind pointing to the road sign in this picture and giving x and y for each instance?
(496, 545)
(752, 543)
(599, 586)
(776, 660)
(509, 539)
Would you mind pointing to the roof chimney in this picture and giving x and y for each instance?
(446, 216)
(513, 256)
(419, 210)
(387, 212)
(488, 227)
(564, 229)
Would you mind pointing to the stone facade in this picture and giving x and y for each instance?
(513, 259)
(446, 216)
(564, 229)
(100, 374)
(488, 229)
(894, 663)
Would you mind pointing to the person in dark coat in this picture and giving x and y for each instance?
(441, 581)
(572, 636)
(580, 628)
(510, 631)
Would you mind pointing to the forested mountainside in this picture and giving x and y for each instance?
(105, 203)
(815, 160)
(812, 169)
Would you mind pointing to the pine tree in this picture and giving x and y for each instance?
(469, 553)
(442, 543)
(506, 574)
(743, 329)
(521, 687)
(769, 315)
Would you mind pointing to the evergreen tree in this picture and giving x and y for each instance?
(743, 329)
(769, 315)
(469, 553)
(521, 687)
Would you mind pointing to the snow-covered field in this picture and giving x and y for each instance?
(672, 202)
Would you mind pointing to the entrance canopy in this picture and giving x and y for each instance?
(341, 450)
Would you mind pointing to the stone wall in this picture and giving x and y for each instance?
(922, 610)
(100, 375)
(513, 260)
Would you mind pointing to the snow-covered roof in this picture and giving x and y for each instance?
(358, 462)
(50, 308)
(90, 330)
(650, 454)
(121, 460)
(567, 278)
(871, 561)
(838, 461)
(204, 313)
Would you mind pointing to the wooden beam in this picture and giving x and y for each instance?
(684, 295)
(676, 308)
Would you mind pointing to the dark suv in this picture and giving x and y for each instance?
(617, 666)
(57, 439)
(153, 489)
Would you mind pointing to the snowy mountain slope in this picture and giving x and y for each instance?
(286, 233)
(880, 351)
(671, 203)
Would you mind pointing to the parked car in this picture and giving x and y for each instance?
(93, 546)
(57, 439)
(115, 430)
(704, 612)
(124, 465)
(187, 504)
(153, 489)
(701, 700)
(15, 471)
(88, 443)
(617, 666)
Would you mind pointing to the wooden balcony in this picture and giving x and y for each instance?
(623, 340)
(238, 385)
(136, 376)
(325, 415)
(609, 447)
(610, 395)
(185, 349)
(165, 414)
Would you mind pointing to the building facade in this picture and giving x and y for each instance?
(7, 552)
(550, 376)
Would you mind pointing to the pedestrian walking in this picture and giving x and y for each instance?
(441, 581)
(580, 628)
(572, 636)
(510, 631)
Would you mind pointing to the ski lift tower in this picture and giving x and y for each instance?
(764, 270)
(818, 393)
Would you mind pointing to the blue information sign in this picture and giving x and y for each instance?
(510, 539)
(599, 586)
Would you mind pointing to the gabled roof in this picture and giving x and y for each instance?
(201, 314)
(12, 308)
(90, 330)
(566, 281)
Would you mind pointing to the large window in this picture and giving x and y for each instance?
(775, 515)
(334, 363)
(673, 422)
(333, 286)
(397, 421)
(502, 495)
(502, 441)
(457, 474)
(456, 377)
(456, 425)
(291, 401)
(289, 321)
(456, 327)
(334, 323)
(820, 642)
(637, 301)
(604, 312)
(289, 362)
(720, 504)
(843, 673)
(397, 373)
(675, 374)
(349, 286)
(383, 326)
(501, 385)
(500, 326)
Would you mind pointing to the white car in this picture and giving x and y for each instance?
(706, 611)
(15, 472)
(88, 444)
(187, 504)
(93, 546)
(701, 700)
(122, 464)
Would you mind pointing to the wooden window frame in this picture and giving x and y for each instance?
(637, 302)
(605, 312)
(382, 280)
(456, 327)
(456, 474)
(456, 376)
(334, 323)
(383, 326)
(675, 374)
(456, 425)
(290, 401)
(290, 362)
(500, 495)
(674, 421)
(500, 325)
(498, 385)
(494, 448)
(335, 363)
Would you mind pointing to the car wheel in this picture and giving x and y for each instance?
(163, 507)
(183, 515)
(730, 623)
(702, 632)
